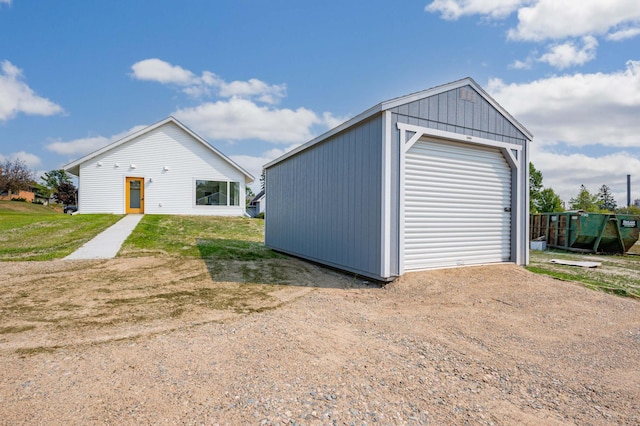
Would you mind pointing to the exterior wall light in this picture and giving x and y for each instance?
(133, 166)
(166, 168)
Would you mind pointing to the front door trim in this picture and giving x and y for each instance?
(133, 210)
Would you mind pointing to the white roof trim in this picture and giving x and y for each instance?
(392, 103)
(76, 164)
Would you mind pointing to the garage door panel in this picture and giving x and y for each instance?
(418, 182)
(463, 169)
(463, 235)
(455, 199)
(481, 200)
(449, 259)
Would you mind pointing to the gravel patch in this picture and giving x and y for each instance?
(479, 345)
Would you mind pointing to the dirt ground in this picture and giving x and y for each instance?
(167, 341)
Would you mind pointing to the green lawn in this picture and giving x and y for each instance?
(33, 232)
(618, 274)
(223, 238)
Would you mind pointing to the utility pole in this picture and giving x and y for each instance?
(628, 191)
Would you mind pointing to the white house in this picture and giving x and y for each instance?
(165, 168)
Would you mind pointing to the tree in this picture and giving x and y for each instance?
(606, 200)
(535, 186)
(263, 179)
(15, 176)
(629, 210)
(66, 193)
(52, 180)
(584, 201)
(248, 194)
(549, 201)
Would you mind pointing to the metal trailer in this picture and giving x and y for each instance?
(586, 232)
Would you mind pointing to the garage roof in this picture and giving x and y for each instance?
(392, 103)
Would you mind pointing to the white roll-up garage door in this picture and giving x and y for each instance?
(457, 205)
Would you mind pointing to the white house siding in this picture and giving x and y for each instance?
(172, 191)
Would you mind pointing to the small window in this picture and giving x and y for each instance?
(217, 193)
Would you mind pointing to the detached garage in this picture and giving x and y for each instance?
(434, 179)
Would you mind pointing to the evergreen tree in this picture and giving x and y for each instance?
(584, 201)
(263, 179)
(606, 200)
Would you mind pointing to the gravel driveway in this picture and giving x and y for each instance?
(478, 345)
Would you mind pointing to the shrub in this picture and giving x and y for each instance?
(260, 215)
(20, 199)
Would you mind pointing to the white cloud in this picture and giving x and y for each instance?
(585, 127)
(5, 1)
(552, 19)
(270, 94)
(521, 65)
(162, 72)
(246, 110)
(578, 109)
(30, 160)
(559, 21)
(17, 97)
(82, 146)
(198, 86)
(566, 172)
(253, 164)
(623, 34)
(568, 54)
(454, 9)
(332, 121)
(237, 119)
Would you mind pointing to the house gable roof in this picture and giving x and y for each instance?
(74, 167)
(395, 102)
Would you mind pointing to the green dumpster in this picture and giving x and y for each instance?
(586, 232)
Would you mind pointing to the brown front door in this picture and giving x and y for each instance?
(135, 195)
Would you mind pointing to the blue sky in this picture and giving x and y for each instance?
(256, 78)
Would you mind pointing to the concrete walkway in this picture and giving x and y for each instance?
(107, 244)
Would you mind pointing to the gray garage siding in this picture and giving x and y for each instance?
(325, 201)
(461, 110)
